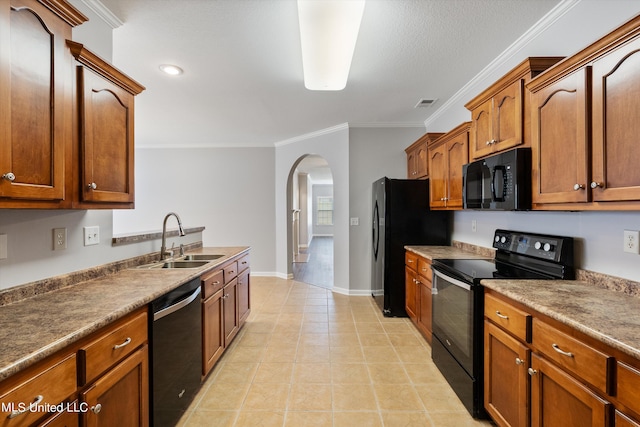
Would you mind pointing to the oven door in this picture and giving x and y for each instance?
(453, 317)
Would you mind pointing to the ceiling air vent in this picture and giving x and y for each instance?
(423, 103)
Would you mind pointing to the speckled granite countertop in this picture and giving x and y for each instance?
(37, 327)
(606, 315)
(445, 252)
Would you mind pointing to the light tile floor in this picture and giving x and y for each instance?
(309, 357)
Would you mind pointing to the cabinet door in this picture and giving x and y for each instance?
(411, 285)
(212, 330)
(616, 108)
(422, 161)
(506, 382)
(481, 133)
(559, 400)
(458, 155)
(438, 179)
(508, 117)
(560, 141)
(411, 165)
(624, 421)
(230, 311)
(68, 418)
(244, 297)
(35, 103)
(107, 145)
(121, 396)
(424, 308)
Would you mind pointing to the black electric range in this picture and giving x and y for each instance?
(458, 302)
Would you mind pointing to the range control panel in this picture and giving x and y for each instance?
(543, 246)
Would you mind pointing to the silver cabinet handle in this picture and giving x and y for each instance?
(488, 143)
(559, 350)
(577, 187)
(92, 186)
(500, 315)
(39, 398)
(124, 344)
(217, 282)
(532, 371)
(9, 176)
(519, 361)
(410, 261)
(96, 409)
(595, 184)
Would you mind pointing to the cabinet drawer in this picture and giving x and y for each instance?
(212, 282)
(424, 268)
(230, 272)
(411, 260)
(111, 346)
(243, 263)
(509, 318)
(574, 355)
(629, 386)
(50, 385)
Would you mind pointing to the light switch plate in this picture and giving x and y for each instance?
(91, 235)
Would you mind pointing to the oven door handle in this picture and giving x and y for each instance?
(452, 281)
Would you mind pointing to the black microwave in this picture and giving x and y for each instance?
(498, 182)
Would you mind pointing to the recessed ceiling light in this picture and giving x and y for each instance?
(172, 70)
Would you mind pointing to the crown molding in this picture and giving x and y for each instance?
(310, 135)
(103, 13)
(538, 28)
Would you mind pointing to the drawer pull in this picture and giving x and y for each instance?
(559, 350)
(217, 282)
(500, 315)
(410, 261)
(519, 361)
(124, 344)
(96, 409)
(39, 398)
(243, 262)
(532, 371)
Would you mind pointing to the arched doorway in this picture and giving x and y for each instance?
(310, 234)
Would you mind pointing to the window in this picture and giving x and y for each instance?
(324, 211)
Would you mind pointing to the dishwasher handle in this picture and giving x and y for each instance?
(177, 306)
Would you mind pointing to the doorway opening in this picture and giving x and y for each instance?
(310, 233)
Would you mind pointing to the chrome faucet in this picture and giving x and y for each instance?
(163, 248)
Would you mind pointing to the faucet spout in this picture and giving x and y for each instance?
(163, 247)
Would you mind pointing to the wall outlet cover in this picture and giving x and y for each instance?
(59, 239)
(3, 246)
(91, 235)
(631, 244)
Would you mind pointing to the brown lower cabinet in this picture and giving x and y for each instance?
(418, 292)
(225, 307)
(540, 372)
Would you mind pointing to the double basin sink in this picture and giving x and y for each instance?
(186, 261)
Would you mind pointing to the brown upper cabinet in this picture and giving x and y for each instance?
(585, 128)
(447, 155)
(499, 116)
(104, 174)
(417, 157)
(35, 101)
(66, 129)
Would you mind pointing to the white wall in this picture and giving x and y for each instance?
(373, 154)
(600, 234)
(230, 191)
(333, 145)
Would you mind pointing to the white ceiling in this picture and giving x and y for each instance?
(243, 83)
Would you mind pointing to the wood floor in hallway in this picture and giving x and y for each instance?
(309, 357)
(318, 270)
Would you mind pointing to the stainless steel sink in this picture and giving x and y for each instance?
(183, 264)
(195, 257)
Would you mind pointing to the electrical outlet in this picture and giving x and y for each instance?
(3, 246)
(91, 235)
(59, 239)
(631, 238)
(355, 221)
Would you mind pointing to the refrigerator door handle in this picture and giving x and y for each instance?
(376, 230)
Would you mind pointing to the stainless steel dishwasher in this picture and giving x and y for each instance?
(176, 356)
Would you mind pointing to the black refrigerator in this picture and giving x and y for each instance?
(400, 217)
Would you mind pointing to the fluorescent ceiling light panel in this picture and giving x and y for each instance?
(328, 32)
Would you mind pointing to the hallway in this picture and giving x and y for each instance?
(318, 270)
